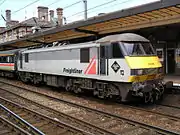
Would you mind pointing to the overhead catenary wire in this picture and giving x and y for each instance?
(92, 8)
(30, 5)
(25, 6)
(1, 10)
(53, 3)
(22, 7)
(47, 5)
(2, 2)
(95, 7)
(68, 6)
(111, 6)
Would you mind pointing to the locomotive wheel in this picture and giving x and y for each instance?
(95, 92)
(156, 95)
(69, 85)
(161, 89)
(77, 90)
(114, 93)
(68, 88)
(147, 97)
(101, 94)
(25, 80)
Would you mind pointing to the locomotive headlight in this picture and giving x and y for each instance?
(137, 71)
(140, 71)
(160, 70)
(148, 71)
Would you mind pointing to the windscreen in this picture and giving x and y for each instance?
(138, 48)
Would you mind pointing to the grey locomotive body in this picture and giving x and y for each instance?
(117, 66)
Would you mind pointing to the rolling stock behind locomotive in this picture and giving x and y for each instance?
(120, 66)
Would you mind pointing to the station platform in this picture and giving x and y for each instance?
(174, 78)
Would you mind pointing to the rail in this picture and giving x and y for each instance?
(140, 124)
(29, 127)
(12, 128)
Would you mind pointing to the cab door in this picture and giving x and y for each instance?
(171, 61)
(103, 61)
(21, 60)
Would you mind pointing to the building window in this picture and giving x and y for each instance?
(26, 57)
(84, 55)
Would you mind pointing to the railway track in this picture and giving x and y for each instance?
(61, 116)
(119, 122)
(42, 122)
(7, 127)
(10, 119)
(167, 105)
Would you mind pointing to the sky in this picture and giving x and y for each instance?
(24, 9)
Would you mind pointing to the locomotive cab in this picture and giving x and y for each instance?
(131, 60)
(146, 70)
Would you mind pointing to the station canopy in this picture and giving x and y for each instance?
(159, 13)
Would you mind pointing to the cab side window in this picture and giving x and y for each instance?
(116, 51)
(84, 55)
(26, 58)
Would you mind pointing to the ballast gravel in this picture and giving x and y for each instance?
(126, 112)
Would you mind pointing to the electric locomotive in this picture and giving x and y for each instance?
(120, 66)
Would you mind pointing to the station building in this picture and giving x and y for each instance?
(158, 21)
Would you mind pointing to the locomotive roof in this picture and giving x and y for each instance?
(111, 38)
(9, 52)
(62, 47)
(123, 37)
